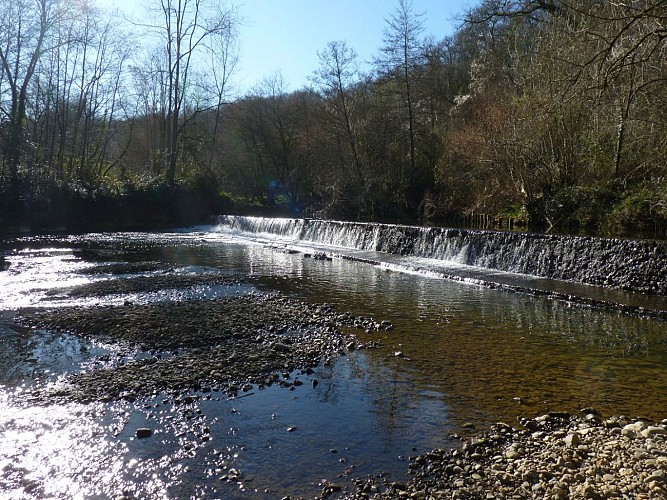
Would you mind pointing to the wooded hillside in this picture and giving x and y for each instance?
(550, 113)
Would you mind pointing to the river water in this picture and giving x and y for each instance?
(460, 357)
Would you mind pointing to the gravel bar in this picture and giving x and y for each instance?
(222, 344)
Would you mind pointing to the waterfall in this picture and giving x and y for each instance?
(634, 265)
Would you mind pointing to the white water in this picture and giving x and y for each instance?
(564, 266)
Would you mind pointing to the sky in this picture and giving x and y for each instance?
(285, 35)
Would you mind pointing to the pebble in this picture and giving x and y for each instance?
(658, 475)
(572, 440)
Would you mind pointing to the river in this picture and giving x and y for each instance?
(461, 356)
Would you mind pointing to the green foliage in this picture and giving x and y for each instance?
(642, 208)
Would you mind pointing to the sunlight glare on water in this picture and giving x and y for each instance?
(44, 449)
(33, 273)
(78, 451)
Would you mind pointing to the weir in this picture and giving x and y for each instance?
(631, 265)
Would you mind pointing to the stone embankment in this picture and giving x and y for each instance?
(557, 456)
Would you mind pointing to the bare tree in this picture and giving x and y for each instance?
(335, 79)
(223, 47)
(400, 55)
(25, 28)
(183, 29)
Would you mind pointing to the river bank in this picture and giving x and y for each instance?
(557, 455)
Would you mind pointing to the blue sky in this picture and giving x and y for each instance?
(285, 35)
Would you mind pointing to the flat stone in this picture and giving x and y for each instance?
(278, 347)
(653, 430)
(657, 475)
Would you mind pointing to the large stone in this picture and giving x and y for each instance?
(630, 431)
(653, 430)
(572, 440)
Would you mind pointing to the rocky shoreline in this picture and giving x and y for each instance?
(557, 455)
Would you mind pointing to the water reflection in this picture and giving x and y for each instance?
(286, 442)
(484, 348)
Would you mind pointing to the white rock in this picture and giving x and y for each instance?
(653, 431)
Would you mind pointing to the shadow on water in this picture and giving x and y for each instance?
(459, 354)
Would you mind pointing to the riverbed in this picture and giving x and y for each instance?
(419, 359)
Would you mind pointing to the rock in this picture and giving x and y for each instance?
(630, 431)
(572, 440)
(589, 491)
(657, 475)
(386, 325)
(559, 492)
(652, 431)
(593, 419)
(279, 347)
(143, 432)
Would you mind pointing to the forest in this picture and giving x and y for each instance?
(540, 114)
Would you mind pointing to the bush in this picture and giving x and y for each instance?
(641, 209)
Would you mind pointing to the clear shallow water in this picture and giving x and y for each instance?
(468, 353)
